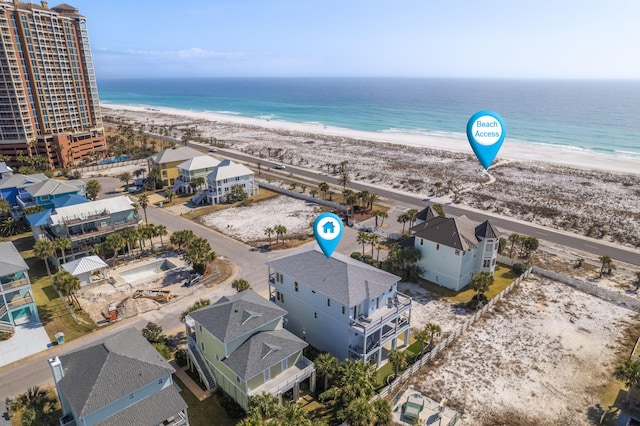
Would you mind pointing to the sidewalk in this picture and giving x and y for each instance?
(195, 389)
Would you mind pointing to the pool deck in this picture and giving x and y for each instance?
(120, 281)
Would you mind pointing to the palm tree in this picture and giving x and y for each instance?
(293, 414)
(382, 410)
(280, 230)
(37, 405)
(199, 254)
(629, 374)
(326, 365)
(373, 240)
(438, 185)
(269, 232)
(199, 304)
(313, 192)
(115, 242)
(344, 180)
(427, 334)
(161, 231)
(170, 193)
(412, 215)
(383, 215)
(125, 178)
(67, 284)
(513, 239)
(143, 200)
(182, 238)
(403, 219)
(264, 405)
(240, 285)
(62, 244)
(371, 200)
(359, 412)
(606, 265)
(130, 235)
(44, 248)
(153, 176)
(398, 360)
(93, 189)
(362, 238)
(481, 282)
(324, 188)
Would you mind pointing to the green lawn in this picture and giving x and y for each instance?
(53, 314)
(204, 413)
(502, 278)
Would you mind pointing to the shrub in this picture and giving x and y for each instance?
(367, 259)
(518, 269)
(181, 357)
(356, 255)
(477, 302)
(163, 349)
(233, 409)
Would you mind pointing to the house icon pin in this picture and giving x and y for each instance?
(327, 228)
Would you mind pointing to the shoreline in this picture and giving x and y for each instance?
(511, 150)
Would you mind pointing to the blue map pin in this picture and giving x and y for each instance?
(328, 230)
(486, 132)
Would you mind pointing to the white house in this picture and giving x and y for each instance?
(227, 175)
(200, 166)
(340, 305)
(454, 250)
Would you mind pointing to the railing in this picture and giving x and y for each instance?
(7, 327)
(201, 364)
(15, 284)
(103, 229)
(444, 344)
(400, 307)
(305, 372)
(15, 303)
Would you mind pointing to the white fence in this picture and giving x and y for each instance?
(301, 196)
(445, 343)
(111, 165)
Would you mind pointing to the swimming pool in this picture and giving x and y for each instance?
(146, 271)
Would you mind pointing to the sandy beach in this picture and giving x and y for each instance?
(577, 191)
(511, 150)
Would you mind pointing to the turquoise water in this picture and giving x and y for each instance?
(595, 115)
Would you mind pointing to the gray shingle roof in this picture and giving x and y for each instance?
(101, 374)
(263, 350)
(487, 230)
(19, 181)
(427, 214)
(339, 277)
(459, 233)
(237, 315)
(11, 261)
(150, 411)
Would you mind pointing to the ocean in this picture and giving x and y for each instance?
(602, 116)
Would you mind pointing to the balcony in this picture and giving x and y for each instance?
(19, 301)
(394, 308)
(284, 381)
(14, 285)
(100, 230)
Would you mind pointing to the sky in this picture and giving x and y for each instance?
(363, 38)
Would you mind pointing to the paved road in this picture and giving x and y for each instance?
(506, 224)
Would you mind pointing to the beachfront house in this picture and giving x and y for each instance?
(85, 224)
(120, 381)
(239, 345)
(16, 298)
(196, 167)
(341, 305)
(454, 250)
(227, 175)
(167, 162)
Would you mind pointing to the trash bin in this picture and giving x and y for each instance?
(60, 337)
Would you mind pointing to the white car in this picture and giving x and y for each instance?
(213, 149)
(280, 166)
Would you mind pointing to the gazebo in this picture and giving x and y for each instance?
(86, 267)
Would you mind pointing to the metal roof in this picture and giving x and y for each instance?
(84, 264)
(198, 163)
(227, 169)
(121, 203)
(11, 261)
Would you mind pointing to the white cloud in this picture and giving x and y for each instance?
(193, 52)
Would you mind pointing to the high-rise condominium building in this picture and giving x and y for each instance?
(48, 93)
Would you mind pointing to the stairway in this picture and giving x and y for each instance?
(198, 198)
(202, 367)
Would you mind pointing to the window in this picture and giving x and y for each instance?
(161, 381)
(315, 315)
(437, 246)
(421, 241)
(493, 262)
(279, 277)
(285, 364)
(295, 285)
(200, 325)
(489, 246)
(238, 378)
(328, 302)
(457, 252)
(343, 310)
(486, 263)
(202, 346)
(280, 297)
(131, 395)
